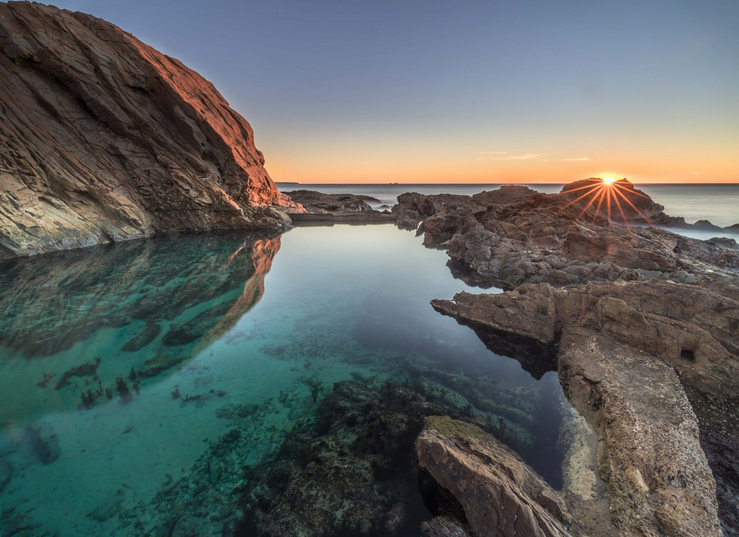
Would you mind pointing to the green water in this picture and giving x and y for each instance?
(122, 368)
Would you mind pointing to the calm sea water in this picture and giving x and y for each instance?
(718, 203)
(120, 368)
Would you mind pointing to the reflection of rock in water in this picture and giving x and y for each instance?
(168, 297)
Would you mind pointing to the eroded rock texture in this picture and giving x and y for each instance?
(516, 235)
(641, 361)
(103, 138)
(500, 495)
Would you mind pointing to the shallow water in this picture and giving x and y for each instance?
(120, 367)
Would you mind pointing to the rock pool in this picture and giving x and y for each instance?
(141, 380)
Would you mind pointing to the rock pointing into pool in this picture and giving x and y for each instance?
(105, 139)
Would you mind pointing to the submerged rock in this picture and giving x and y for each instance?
(355, 474)
(44, 444)
(6, 473)
(105, 139)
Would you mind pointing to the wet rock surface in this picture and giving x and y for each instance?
(105, 139)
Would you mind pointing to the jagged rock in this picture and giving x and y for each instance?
(726, 242)
(105, 139)
(635, 205)
(318, 202)
(500, 495)
(515, 235)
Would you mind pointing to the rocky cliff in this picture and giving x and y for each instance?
(104, 139)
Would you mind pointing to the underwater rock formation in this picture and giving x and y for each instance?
(354, 474)
(105, 139)
(172, 296)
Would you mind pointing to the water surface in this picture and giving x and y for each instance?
(121, 367)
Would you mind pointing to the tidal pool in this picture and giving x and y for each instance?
(125, 370)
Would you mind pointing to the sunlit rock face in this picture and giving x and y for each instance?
(105, 139)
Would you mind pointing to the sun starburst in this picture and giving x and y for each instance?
(602, 196)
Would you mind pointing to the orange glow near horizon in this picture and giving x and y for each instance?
(348, 166)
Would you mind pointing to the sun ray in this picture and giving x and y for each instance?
(581, 197)
(623, 214)
(631, 191)
(579, 188)
(595, 196)
(600, 203)
(627, 200)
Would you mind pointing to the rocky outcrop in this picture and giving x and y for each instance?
(515, 235)
(323, 208)
(500, 495)
(640, 360)
(104, 139)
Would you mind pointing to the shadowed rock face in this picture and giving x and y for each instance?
(105, 139)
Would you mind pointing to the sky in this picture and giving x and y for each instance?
(465, 91)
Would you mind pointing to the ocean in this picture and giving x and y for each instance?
(718, 203)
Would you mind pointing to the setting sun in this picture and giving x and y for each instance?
(609, 180)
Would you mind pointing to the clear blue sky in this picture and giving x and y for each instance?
(467, 91)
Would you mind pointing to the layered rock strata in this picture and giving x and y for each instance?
(104, 139)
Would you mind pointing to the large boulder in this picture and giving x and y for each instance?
(500, 495)
(105, 139)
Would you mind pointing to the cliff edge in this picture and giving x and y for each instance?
(104, 139)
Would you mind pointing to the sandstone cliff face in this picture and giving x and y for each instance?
(104, 139)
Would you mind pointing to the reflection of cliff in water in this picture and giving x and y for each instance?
(93, 325)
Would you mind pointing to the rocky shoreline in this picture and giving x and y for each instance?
(643, 327)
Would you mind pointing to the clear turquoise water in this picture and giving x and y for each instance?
(717, 203)
(119, 367)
